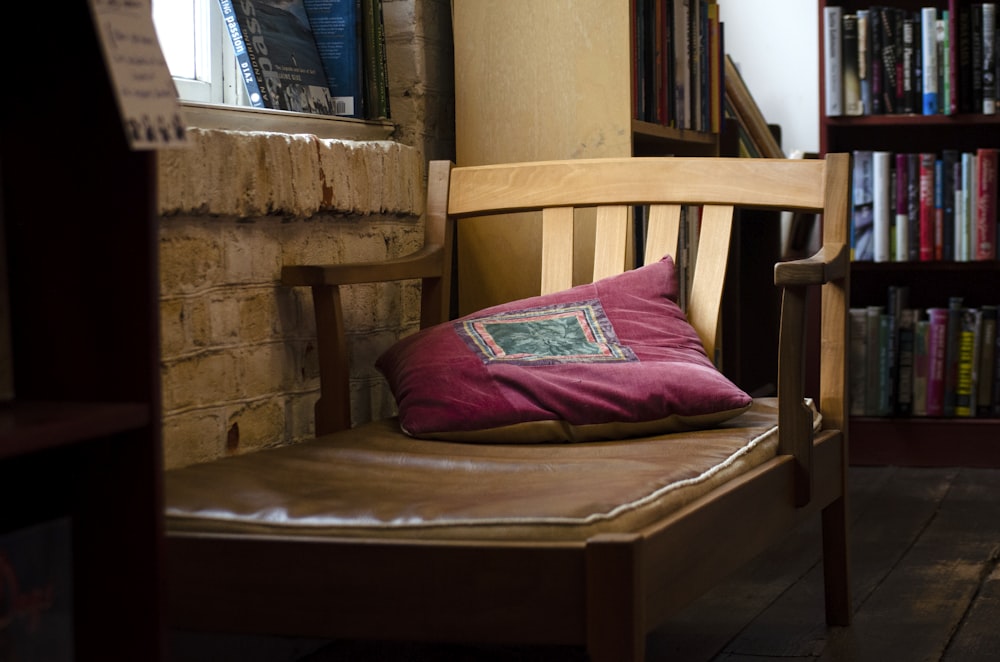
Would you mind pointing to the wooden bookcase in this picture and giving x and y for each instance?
(543, 80)
(80, 437)
(918, 440)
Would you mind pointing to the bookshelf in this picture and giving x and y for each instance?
(545, 80)
(918, 441)
(80, 423)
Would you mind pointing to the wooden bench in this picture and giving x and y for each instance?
(369, 533)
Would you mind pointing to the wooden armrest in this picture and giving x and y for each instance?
(427, 262)
(826, 264)
(794, 418)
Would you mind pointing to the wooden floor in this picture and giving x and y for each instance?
(925, 544)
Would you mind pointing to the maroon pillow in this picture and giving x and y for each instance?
(606, 360)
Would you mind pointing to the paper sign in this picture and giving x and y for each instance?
(147, 98)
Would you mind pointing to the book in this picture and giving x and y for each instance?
(943, 29)
(897, 301)
(891, 84)
(864, 61)
(929, 59)
(862, 210)
(858, 360)
(375, 60)
(949, 159)
(927, 209)
(283, 69)
(905, 357)
(833, 96)
(952, 331)
(875, 64)
(909, 32)
(937, 333)
(987, 358)
(985, 247)
(938, 209)
(989, 83)
(976, 48)
(902, 202)
(921, 364)
(961, 38)
(336, 27)
(850, 73)
(874, 381)
(966, 366)
(965, 206)
(882, 212)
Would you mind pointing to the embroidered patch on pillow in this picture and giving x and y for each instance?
(610, 359)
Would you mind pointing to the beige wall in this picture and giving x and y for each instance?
(238, 349)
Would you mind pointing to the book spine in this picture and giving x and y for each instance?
(976, 48)
(936, 342)
(864, 61)
(952, 331)
(921, 364)
(907, 60)
(902, 217)
(885, 360)
(989, 62)
(833, 65)
(987, 358)
(965, 364)
(927, 213)
(862, 229)
(949, 157)
(938, 209)
(850, 73)
(929, 61)
(875, 61)
(858, 344)
(905, 357)
(944, 63)
(873, 384)
(964, 225)
(881, 205)
(962, 15)
(913, 203)
(890, 58)
(986, 203)
(336, 27)
(246, 60)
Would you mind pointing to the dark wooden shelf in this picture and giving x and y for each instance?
(27, 427)
(925, 442)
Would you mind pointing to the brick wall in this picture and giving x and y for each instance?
(238, 348)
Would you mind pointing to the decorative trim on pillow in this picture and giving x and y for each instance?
(576, 332)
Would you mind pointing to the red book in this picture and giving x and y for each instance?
(927, 210)
(937, 334)
(986, 204)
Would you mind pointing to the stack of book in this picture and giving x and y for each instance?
(677, 63)
(886, 59)
(939, 362)
(924, 206)
(315, 56)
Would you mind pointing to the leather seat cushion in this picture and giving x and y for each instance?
(375, 481)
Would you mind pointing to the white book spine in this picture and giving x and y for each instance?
(882, 205)
(929, 59)
(834, 88)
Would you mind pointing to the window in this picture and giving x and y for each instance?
(198, 52)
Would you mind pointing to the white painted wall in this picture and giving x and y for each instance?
(775, 46)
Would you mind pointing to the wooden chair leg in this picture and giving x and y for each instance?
(836, 563)
(615, 613)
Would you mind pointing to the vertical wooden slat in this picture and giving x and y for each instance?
(557, 249)
(662, 229)
(616, 629)
(705, 301)
(611, 238)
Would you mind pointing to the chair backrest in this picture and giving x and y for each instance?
(615, 186)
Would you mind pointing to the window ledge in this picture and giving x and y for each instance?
(239, 118)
